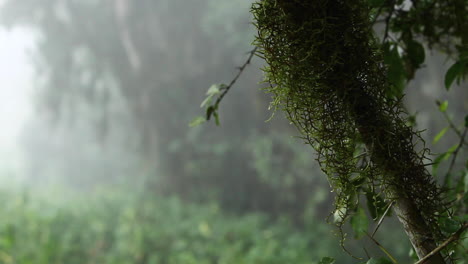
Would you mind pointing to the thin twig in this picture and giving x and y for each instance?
(367, 253)
(454, 128)
(454, 237)
(383, 249)
(452, 125)
(378, 14)
(387, 22)
(455, 153)
(382, 218)
(233, 81)
(450, 122)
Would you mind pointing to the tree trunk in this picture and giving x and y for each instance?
(418, 232)
(375, 127)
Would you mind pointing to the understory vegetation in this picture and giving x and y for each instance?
(110, 227)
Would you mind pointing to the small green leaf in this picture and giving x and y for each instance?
(216, 115)
(440, 135)
(207, 100)
(455, 71)
(442, 106)
(197, 121)
(214, 89)
(359, 223)
(327, 260)
(452, 149)
(379, 261)
(466, 121)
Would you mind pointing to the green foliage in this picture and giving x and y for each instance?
(376, 205)
(327, 260)
(378, 261)
(456, 72)
(359, 223)
(116, 228)
(442, 106)
(440, 135)
(396, 74)
(212, 108)
(197, 121)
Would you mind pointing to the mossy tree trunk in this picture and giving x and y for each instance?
(379, 128)
(327, 74)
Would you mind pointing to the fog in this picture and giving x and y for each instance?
(97, 98)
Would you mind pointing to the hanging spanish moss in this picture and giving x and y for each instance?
(326, 72)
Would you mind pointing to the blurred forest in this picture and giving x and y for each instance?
(111, 171)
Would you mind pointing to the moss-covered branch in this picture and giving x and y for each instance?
(327, 74)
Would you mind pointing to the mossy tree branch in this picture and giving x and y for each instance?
(326, 72)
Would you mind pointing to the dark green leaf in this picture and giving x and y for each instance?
(197, 121)
(216, 118)
(466, 121)
(416, 53)
(359, 223)
(327, 260)
(396, 71)
(455, 71)
(222, 86)
(440, 135)
(209, 111)
(379, 261)
(448, 225)
(376, 3)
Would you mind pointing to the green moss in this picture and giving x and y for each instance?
(326, 72)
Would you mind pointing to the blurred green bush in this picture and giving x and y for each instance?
(116, 228)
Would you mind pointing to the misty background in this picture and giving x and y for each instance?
(97, 160)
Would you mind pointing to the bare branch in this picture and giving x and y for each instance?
(233, 81)
(454, 237)
(382, 218)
